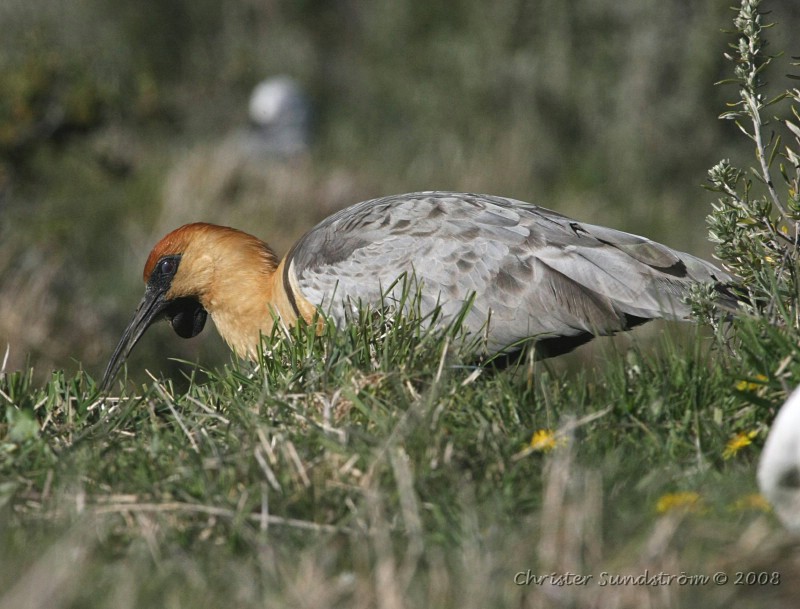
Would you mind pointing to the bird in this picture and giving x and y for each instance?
(532, 274)
(779, 466)
(280, 119)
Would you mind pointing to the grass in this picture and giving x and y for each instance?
(379, 467)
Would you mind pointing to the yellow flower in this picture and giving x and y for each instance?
(738, 442)
(753, 501)
(757, 383)
(685, 500)
(546, 440)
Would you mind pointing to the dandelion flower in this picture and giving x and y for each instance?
(753, 501)
(685, 500)
(545, 440)
(738, 442)
(757, 383)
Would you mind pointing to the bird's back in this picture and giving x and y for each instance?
(540, 274)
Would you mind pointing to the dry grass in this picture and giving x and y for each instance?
(41, 317)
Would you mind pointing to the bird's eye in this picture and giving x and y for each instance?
(167, 266)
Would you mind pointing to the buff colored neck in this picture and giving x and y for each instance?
(250, 309)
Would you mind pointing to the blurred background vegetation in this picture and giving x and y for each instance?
(116, 125)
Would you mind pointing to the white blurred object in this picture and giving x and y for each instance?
(280, 113)
(264, 163)
(779, 468)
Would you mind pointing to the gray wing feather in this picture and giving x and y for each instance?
(540, 274)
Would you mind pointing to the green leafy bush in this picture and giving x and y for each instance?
(754, 223)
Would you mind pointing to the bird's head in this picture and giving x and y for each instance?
(190, 273)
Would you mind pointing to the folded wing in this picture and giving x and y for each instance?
(541, 274)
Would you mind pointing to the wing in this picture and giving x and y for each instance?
(540, 274)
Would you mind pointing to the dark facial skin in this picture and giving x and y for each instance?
(185, 314)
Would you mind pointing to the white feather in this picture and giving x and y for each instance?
(779, 468)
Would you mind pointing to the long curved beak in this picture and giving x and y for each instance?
(151, 309)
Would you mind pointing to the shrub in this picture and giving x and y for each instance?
(754, 223)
